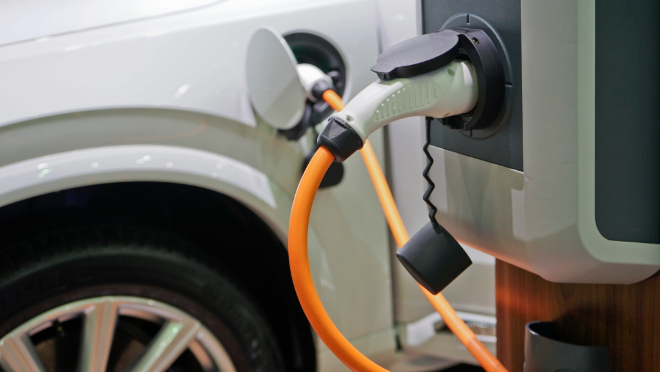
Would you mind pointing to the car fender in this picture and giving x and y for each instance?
(252, 165)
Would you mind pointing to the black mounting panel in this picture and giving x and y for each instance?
(501, 142)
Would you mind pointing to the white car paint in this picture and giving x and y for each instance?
(22, 20)
(128, 163)
(192, 60)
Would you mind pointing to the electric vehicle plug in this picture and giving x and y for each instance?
(450, 90)
(314, 81)
(455, 74)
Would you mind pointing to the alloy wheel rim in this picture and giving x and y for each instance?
(178, 332)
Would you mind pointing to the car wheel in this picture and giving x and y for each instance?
(117, 298)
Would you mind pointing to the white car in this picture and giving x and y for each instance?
(144, 207)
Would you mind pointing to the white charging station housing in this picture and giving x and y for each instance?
(543, 217)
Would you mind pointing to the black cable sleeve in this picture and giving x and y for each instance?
(319, 88)
(340, 139)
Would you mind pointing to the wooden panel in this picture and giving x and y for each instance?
(624, 317)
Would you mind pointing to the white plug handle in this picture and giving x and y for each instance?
(311, 75)
(450, 90)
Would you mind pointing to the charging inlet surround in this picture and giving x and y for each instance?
(480, 50)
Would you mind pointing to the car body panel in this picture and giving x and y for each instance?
(23, 20)
(117, 92)
(193, 60)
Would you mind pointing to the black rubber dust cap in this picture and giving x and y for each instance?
(418, 55)
(434, 258)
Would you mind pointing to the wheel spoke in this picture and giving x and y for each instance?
(172, 340)
(98, 331)
(17, 354)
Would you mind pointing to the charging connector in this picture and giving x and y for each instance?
(450, 90)
(455, 74)
(314, 81)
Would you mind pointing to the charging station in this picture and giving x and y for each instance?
(548, 177)
(565, 183)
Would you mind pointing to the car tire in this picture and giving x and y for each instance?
(62, 266)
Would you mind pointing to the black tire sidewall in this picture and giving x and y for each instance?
(62, 276)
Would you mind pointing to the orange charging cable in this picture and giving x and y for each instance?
(302, 277)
